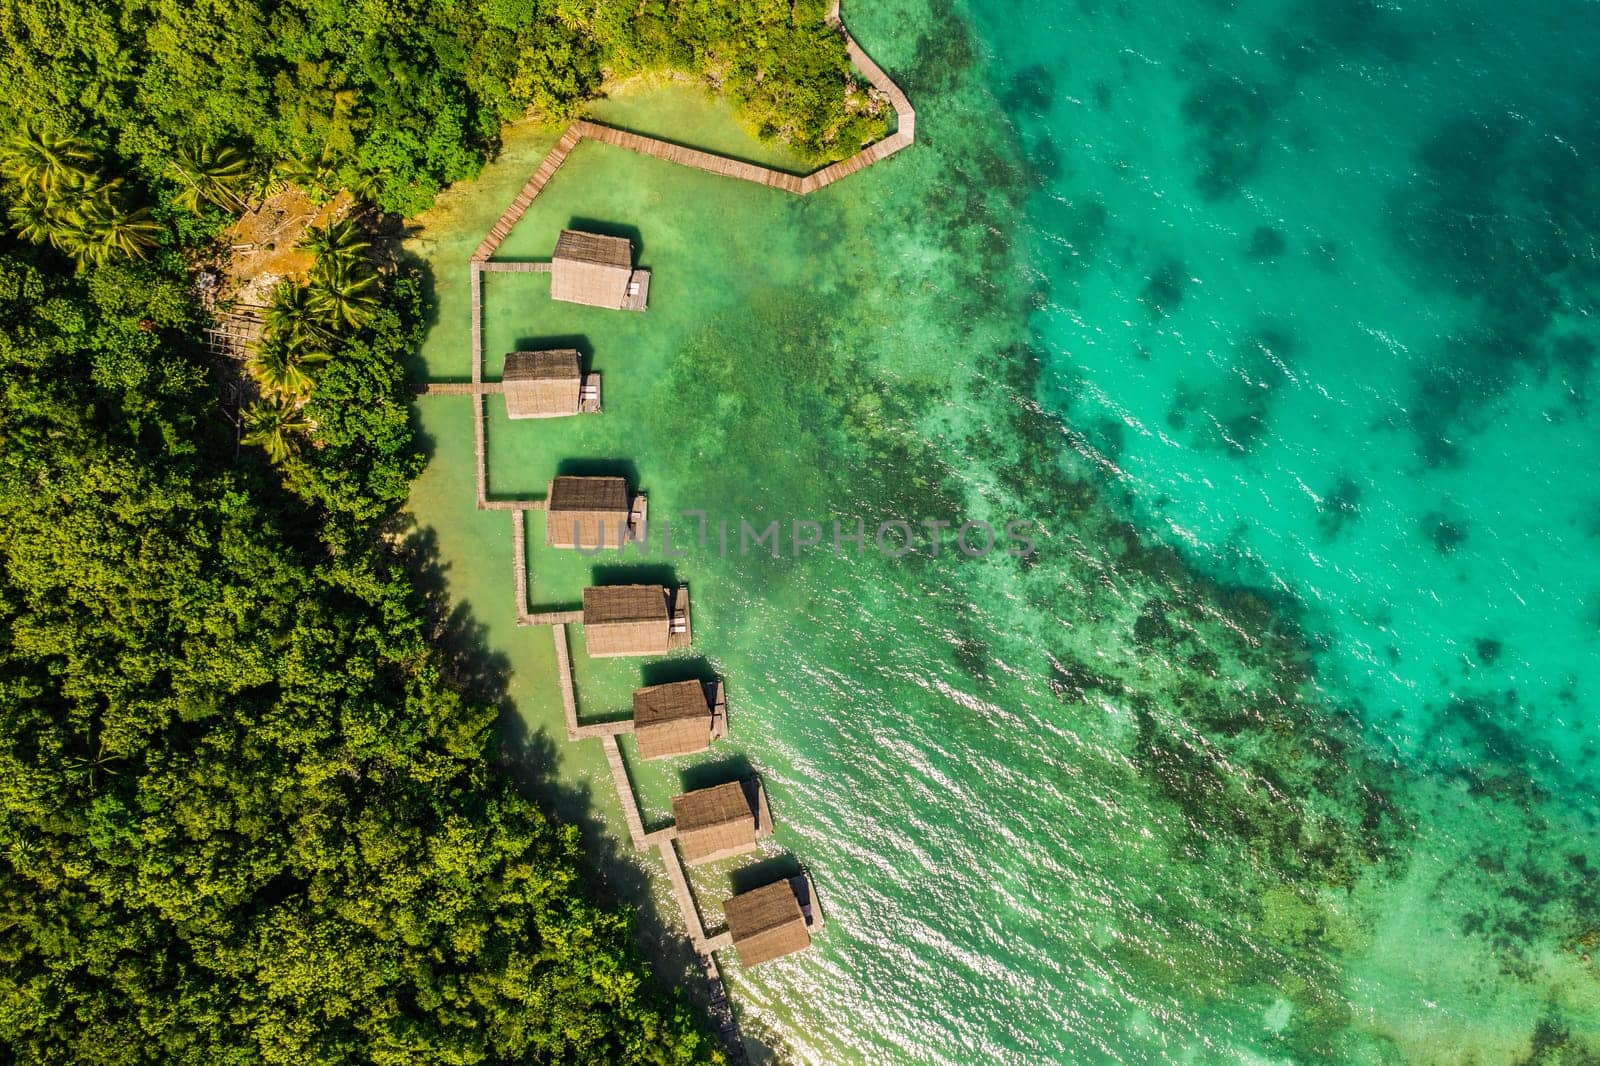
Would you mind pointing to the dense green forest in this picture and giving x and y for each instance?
(249, 812)
(246, 816)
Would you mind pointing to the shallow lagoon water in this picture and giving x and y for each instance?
(1162, 792)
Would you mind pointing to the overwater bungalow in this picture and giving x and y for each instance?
(548, 384)
(680, 718)
(592, 269)
(715, 823)
(635, 619)
(773, 921)
(593, 513)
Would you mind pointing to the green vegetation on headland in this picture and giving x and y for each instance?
(249, 814)
(393, 101)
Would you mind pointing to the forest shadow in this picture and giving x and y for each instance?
(618, 880)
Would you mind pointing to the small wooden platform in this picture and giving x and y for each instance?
(638, 294)
(679, 633)
(639, 520)
(806, 892)
(719, 709)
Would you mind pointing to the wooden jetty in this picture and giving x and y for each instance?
(903, 135)
(534, 186)
(460, 388)
(778, 918)
(513, 267)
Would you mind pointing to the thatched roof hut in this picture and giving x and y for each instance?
(714, 823)
(767, 923)
(587, 512)
(588, 268)
(635, 619)
(673, 719)
(626, 620)
(542, 384)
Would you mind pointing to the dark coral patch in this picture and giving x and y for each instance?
(1443, 533)
(1032, 91)
(1341, 504)
(1163, 289)
(1267, 243)
(1229, 122)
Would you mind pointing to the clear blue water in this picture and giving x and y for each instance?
(1321, 283)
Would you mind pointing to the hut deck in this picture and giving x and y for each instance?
(638, 295)
(719, 710)
(639, 519)
(679, 634)
(589, 395)
(763, 812)
(806, 892)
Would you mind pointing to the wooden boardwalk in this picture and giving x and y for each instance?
(506, 267)
(534, 186)
(481, 262)
(460, 388)
(519, 571)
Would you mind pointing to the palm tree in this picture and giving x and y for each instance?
(340, 241)
(46, 162)
(291, 317)
(305, 171)
(281, 368)
(36, 219)
(343, 291)
(100, 227)
(273, 424)
(219, 176)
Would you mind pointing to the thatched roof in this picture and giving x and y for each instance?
(766, 923)
(672, 719)
(542, 384)
(626, 620)
(586, 512)
(714, 822)
(589, 268)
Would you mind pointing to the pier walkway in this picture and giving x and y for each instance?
(478, 390)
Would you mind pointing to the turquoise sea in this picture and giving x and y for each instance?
(1278, 320)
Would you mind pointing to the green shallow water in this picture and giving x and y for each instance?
(1091, 806)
